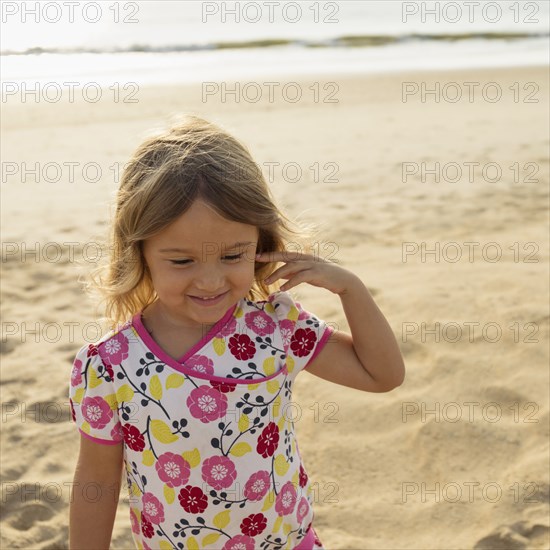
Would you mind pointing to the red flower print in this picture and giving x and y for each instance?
(207, 404)
(147, 528)
(286, 499)
(240, 542)
(193, 500)
(254, 524)
(114, 350)
(260, 322)
(96, 411)
(110, 372)
(257, 485)
(302, 509)
(268, 440)
(153, 510)
(223, 387)
(173, 469)
(302, 342)
(92, 350)
(303, 476)
(242, 347)
(133, 438)
(219, 472)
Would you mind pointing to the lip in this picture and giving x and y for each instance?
(207, 303)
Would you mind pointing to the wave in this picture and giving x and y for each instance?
(351, 41)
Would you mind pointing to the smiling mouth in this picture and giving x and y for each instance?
(208, 298)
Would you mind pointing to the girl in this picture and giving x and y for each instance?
(189, 393)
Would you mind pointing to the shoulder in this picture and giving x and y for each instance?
(279, 306)
(113, 343)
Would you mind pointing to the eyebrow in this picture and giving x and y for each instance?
(185, 251)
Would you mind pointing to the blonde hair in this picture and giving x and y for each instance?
(167, 173)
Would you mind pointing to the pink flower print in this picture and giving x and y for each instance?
(147, 528)
(96, 411)
(193, 500)
(219, 472)
(201, 363)
(228, 329)
(133, 438)
(242, 347)
(207, 404)
(153, 510)
(240, 542)
(173, 469)
(302, 509)
(76, 374)
(116, 433)
(114, 350)
(286, 499)
(287, 329)
(146, 546)
(254, 524)
(134, 522)
(257, 485)
(260, 322)
(303, 341)
(268, 440)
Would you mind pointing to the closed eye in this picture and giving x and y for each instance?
(231, 257)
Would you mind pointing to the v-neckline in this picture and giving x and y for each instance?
(155, 348)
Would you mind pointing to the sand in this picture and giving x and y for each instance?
(473, 472)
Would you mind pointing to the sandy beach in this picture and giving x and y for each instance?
(440, 206)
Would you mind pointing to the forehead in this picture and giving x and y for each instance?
(200, 224)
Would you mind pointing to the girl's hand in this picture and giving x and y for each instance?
(306, 268)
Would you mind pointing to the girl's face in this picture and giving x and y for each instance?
(201, 265)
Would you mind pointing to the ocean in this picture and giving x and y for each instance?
(163, 42)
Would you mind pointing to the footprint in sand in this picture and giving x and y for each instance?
(518, 536)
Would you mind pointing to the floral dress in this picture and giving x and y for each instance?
(210, 453)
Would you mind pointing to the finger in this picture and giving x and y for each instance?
(300, 277)
(285, 272)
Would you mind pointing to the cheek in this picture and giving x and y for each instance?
(244, 273)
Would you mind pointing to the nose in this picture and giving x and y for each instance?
(210, 279)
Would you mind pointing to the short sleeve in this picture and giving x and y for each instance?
(304, 334)
(92, 397)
